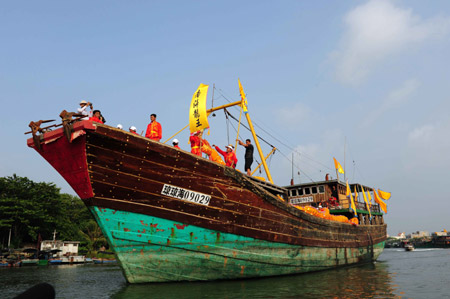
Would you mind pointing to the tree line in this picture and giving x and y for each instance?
(31, 210)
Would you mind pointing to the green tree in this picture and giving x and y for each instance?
(29, 209)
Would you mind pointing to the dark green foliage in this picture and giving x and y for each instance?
(29, 209)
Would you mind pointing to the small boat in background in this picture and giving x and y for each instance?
(103, 261)
(409, 247)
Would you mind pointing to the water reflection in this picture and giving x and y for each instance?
(366, 281)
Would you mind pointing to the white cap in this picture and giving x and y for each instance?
(133, 128)
(230, 146)
(119, 126)
(83, 102)
(175, 141)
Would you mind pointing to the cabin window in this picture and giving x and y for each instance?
(314, 190)
(321, 189)
(300, 191)
(307, 191)
(293, 192)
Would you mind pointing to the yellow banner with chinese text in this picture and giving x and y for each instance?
(198, 117)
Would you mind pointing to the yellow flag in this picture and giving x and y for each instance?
(243, 98)
(384, 195)
(369, 197)
(352, 203)
(338, 166)
(382, 204)
(198, 118)
(365, 200)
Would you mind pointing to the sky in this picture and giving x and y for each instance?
(367, 82)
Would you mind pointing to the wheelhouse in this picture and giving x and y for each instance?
(332, 194)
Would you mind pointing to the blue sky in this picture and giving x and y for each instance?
(368, 76)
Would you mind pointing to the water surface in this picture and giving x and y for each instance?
(424, 273)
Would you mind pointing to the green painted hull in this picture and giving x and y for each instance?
(152, 249)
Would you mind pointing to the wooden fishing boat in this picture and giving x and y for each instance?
(170, 215)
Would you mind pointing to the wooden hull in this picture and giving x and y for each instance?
(128, 180)
(152, 249)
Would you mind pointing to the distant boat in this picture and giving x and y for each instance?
(103, 261)
(73, 259)
(409, 247)
(29, 262)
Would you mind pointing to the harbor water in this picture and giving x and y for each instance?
(423, 273)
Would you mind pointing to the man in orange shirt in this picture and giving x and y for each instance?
(229, 155)
(196, 143)
(154, 130)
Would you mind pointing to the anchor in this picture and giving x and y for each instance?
(35, 128)
(67, 122)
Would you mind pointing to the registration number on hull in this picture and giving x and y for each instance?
(187, 195)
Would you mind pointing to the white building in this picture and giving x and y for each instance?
(66, 247)
(418, 234)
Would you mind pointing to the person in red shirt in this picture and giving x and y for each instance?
(154, 130)
(196, 143)
(97, 115)
(133, 130)
(175, 143)
(229, 155)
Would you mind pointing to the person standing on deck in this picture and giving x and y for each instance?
(83, 109)
(196, 143)
(229, 155)
(154, 130)
(133, 130)
(248, 154)
(175, 143)
(97, 117)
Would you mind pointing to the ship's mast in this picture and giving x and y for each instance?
(250, 124)
(269, 177)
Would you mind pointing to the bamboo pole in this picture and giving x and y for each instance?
(268, 155)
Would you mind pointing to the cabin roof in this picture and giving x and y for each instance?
(330, 182)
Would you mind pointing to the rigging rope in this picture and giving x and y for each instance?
(301, 154)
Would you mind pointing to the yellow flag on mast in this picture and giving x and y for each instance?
(338, 166)
(198, 117)
(384, 195)
(244, 99)
(382, 204)
(365, 200)
(352, 203)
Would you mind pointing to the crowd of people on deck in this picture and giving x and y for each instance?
(198, 144)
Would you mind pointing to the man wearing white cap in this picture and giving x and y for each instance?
(83, 109)
(229, 155)
(175, 143)
(133, 130)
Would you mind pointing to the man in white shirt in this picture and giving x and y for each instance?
(83, 109)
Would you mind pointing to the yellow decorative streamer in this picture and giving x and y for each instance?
(365, 200)
(352, 203)
(384, 195)
(382, 204)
